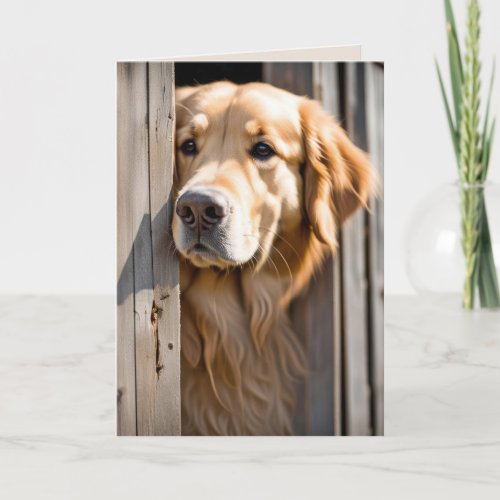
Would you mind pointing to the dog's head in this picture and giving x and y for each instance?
(254, 161)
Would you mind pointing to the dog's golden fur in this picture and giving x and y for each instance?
(240, 355)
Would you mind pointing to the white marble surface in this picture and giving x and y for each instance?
(57, 414)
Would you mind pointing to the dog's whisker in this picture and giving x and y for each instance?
(282, 239)
(286, 264)
(272, 262)
(270, 258)
(253, 261)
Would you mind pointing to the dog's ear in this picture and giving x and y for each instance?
(338, 176)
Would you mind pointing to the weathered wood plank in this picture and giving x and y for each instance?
(166, 326)
(138, 198)
(338, 395)
(126, 136)
(294, 77)
(326, 90)
(326, 86)
(354, 282)
(319, 324)
(148, 290)
(375, 136)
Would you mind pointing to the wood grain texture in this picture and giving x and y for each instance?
(127, 133)
(312, 317)
(374, 85)
(354, 279)
(294, 77)
(142, 252)
(145, 337)
(148, 289)
(166, 326)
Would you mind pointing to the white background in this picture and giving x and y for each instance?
(57, 112)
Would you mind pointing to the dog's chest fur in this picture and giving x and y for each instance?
(240, 355)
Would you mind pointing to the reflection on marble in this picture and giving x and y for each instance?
(57, 417)
(442, 369)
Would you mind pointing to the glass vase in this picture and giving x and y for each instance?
(453, 244)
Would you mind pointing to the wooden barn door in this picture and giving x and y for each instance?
(340, 316)
(148, 336)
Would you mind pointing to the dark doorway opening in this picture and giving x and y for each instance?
(195, 73)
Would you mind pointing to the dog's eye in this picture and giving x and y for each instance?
(262, 151)
(189, 147)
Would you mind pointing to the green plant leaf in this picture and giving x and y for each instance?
(450, 18)
(487, 151)
(455, 61)
(484, 136)
(489, 293)
(456, 75)
(453, 129)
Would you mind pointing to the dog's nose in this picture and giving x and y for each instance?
(203, 209)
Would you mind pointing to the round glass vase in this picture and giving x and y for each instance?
(452, 244)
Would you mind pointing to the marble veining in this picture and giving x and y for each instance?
(57, 416)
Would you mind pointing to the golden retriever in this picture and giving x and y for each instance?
(263, 179)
